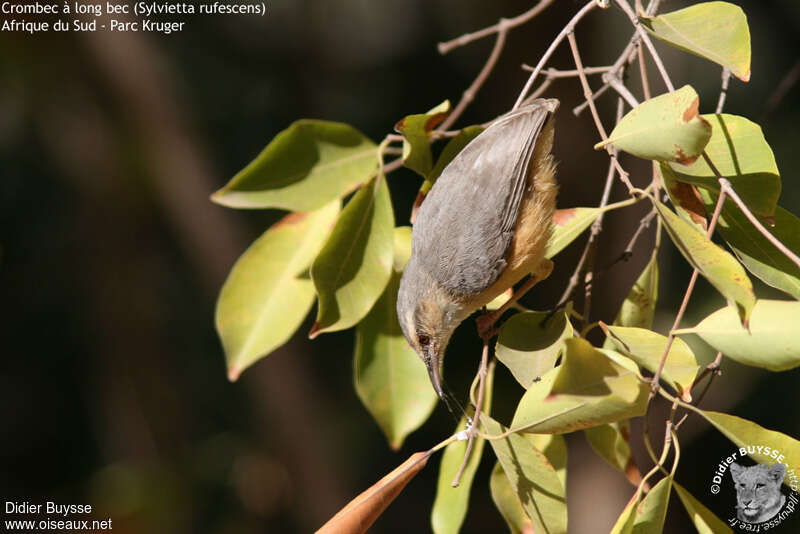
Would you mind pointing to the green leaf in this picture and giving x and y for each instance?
(772, 341)
(303, 168)
(416, 131)
(756, 253)
(639, 306)
(745, 433)
(741, 154)
(529, 346)
(532, 477)
(507, 502)
(266, 296)
(665, 128)
(652, 511)
(624, 523)
(588, 389)
(716, 31)
(704, 519)
(390, 379)
(720, 268)
(554, 447)
(646, 347)
(450, 505)
(568, 224)
(610, 442)
(354, 266)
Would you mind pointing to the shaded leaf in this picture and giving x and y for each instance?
(665, 128)
(686, 199)
(773, 339)
(266, 296)
(507, 502)
(532, 477)
(741, 154)
(568, 224)
(450, 505)
(746, 433)
(554, 447)
(624, 523)
(716, 31)
(639, 306)
(646, 347)
(303, 168)
(704, 519)
(720, 268)
(610, 442)
(389, 377)
(652, 511)
(354, 266)
(416, 130)
(530, 343)
(756, 253)
(361, 512)
(588, 389)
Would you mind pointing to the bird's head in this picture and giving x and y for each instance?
(428, 315)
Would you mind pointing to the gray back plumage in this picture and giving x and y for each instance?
(465, 225)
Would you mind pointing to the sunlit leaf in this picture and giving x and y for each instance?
(507, 502)
(530, 342)
(741, 154)
(416, 131)
(361, 512)
(749, 435)
(652, 511)
(390, 379)
(266, 295)
(588, 389)
(756, 253)
(704, 519)
(611, 443)
(303, 168)
(716, 31)
(532, 477)
(554, 447)
(720, 268)
(665, 128)
(568, 224)
(646, 347)
(771, 342)
(450, 505)
(353, 268)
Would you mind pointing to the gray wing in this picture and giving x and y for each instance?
(465, 225)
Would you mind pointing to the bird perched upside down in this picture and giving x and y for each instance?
(483, 226)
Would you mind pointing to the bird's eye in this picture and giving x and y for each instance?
(424, 340)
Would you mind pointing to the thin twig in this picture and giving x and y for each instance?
(643, 72)
(615, 83)
(788, 81)
(723, 92)
(446, 47)
(556, 73)
(473, 430)
(566, 30)
(626, 7)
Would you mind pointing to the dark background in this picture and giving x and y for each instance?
(114, 391)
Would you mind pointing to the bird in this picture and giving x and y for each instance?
(483, 227)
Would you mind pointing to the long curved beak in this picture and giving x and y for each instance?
(434, 365)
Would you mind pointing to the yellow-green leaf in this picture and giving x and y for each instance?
(416, 131)
(568, 224)
(704, 519)
(771, 342)
(353, 268)
(507, 502)
(610, 442)
(665, 128)
(303, 168)
(639, 306)
(652, 511)
(716, 31)
(590, 388)
(530, 343)
(266, 295)
(450, 505)
(646, 347)
(741, 154)
(720, 268)
(532, 477)
(747, 434)
(389, 377)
